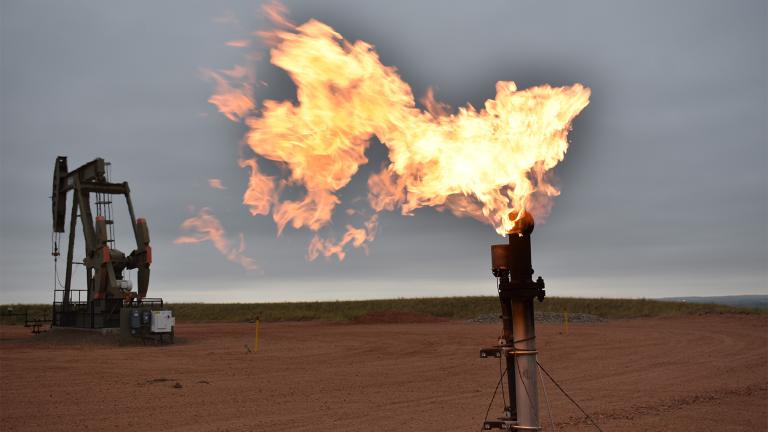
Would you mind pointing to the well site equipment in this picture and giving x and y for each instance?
(108, 301)
(511, 265)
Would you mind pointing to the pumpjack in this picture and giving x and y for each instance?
(108, 300)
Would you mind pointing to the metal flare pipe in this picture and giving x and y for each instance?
(511, 264)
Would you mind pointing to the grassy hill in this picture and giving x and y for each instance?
(447, 307)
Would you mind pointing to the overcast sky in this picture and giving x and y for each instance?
(664, 188)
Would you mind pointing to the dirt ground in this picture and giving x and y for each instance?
(701, 373)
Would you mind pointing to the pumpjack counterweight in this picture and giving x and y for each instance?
(108, 298)
(511, 265)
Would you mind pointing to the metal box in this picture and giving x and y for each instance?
(135, 318)
(500, 255)
(162, 321)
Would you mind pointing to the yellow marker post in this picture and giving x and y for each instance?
(565, 321)
(256, 340)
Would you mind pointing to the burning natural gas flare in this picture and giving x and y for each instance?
(486, 163)
(206, 227)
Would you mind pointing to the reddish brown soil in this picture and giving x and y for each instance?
(397, 317)
(701, 373)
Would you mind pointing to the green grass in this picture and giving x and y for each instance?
(447, 307)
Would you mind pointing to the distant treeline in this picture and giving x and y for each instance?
(456, 308)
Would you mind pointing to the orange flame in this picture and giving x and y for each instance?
(216, 184)
(238, 43)
(486, 163)
(357, 237)
(205, 226)
(261, 189)
(233, 102)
